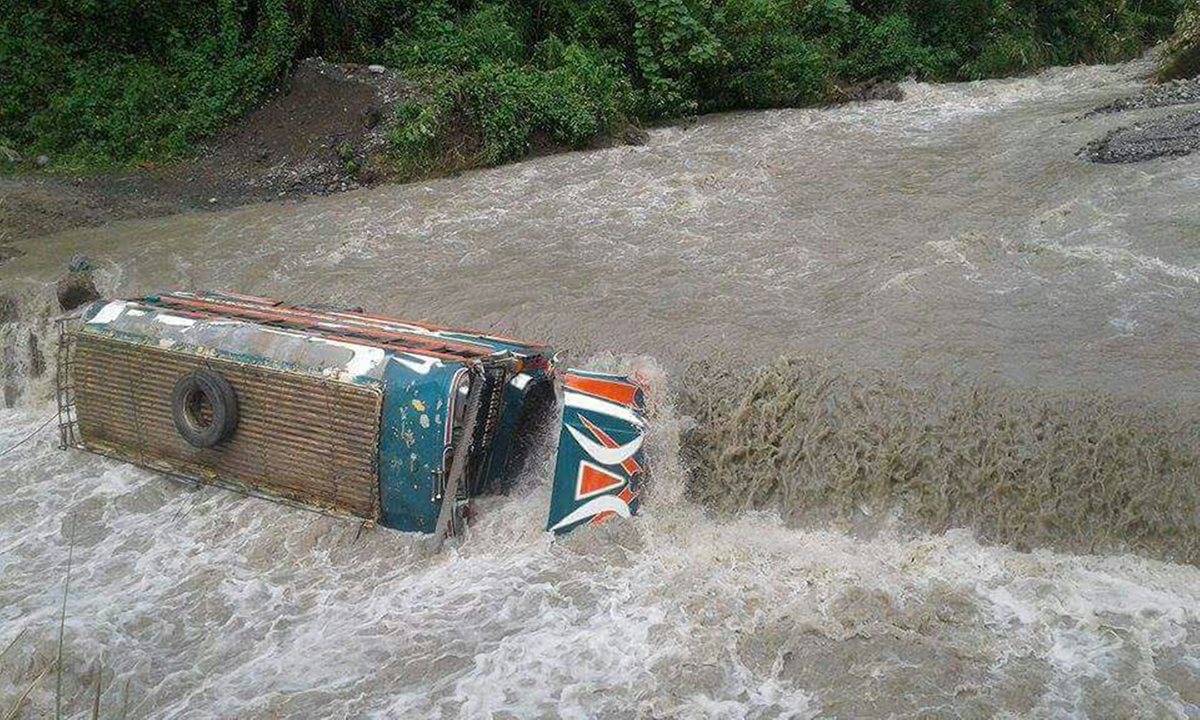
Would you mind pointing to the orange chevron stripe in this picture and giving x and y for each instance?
(618, 392)
(600, 518)
(593, 481)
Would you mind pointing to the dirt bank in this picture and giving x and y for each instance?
(320, 132)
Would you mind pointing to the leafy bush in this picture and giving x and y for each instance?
(583, 94)
(132, 81)
(773, 70)
(890, 48)
(673, 51)
(1181, 58)
(30, 63)
(1007, 55)
(438, 39)
(491, 115)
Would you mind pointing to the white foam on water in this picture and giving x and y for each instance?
(210, 604)
(1122, 262)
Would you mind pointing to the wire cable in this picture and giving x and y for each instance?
(26, 439)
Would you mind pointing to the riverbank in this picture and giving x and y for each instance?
(321, 133)
(199, 107)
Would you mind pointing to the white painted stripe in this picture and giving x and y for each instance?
(417, 363)
(606, 455)
(604, 407)
(165, 319)
(605, 503)
(364, 360)
(108, 313)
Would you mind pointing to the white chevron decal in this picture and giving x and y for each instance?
(604, 503)
(605, 455)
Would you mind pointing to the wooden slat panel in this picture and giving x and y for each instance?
(298, 437)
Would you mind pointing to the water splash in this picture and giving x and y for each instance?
(1080, 473)
(27, 346)
(211, 604)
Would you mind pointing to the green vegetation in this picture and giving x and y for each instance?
(1181, 57)
(124, 81)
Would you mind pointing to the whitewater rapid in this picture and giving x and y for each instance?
(213, 605)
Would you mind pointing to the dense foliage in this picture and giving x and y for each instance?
(127, 80)
(96, 82)
(1181, 57)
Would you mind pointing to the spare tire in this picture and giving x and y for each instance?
(204, 408)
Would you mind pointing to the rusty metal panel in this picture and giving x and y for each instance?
(298, 437)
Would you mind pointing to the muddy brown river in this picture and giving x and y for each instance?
(953, 234)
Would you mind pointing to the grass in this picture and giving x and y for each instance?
(12, 643)
(62, 623)
(16, 706)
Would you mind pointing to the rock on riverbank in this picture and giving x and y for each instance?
(1172, 136)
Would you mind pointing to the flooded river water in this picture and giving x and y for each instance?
(954, 234)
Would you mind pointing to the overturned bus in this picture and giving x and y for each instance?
(394, 422)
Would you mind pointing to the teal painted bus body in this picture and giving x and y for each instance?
(446, 394)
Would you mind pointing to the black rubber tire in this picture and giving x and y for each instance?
(210, 386)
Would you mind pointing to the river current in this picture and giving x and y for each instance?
(954, 235)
